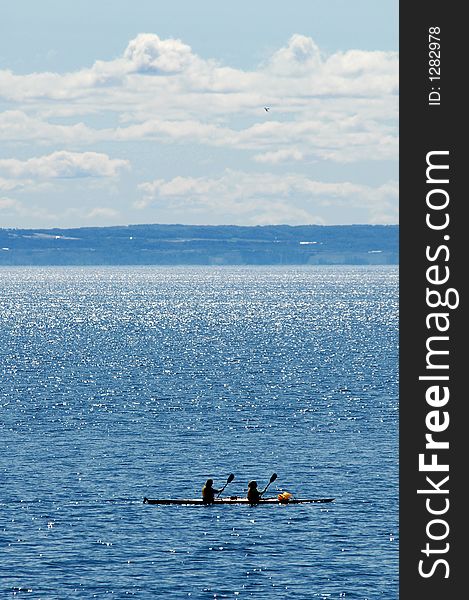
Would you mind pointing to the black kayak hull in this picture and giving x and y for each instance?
(199, 501)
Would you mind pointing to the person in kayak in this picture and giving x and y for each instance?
(208, 492)
(254, 495)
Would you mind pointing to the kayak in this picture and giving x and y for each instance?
(236, 500)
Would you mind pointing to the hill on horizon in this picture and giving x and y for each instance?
(201, 245)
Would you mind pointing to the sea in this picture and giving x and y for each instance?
(119, 383)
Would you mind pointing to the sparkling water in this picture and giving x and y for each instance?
(120, 383)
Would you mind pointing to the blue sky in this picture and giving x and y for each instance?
(117, 112)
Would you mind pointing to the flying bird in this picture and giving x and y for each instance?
(266, 108)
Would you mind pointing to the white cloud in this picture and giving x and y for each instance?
(8, 203)
(7, 185)
(18, 126)
(36, 214)
(338, 138)
(200, 99)
(266, 197)
(147, 53)
(279, 156)
(102, 212)
(340, 108)
(300, 55)
(11, 209)
(63, 164)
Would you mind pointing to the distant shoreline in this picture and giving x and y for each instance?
(218, 245)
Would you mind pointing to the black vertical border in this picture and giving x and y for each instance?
(425, 128)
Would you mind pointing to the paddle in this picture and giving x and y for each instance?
(272, 479)
(229, 480)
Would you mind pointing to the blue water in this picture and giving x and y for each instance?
(120, 383)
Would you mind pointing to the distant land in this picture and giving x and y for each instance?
(202, 245)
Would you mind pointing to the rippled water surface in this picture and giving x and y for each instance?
(120, 383)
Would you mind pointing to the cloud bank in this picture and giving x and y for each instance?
(160, 89)
(336, 109)
(263, 198)
(63, 164)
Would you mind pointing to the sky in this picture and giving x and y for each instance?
(115, 112)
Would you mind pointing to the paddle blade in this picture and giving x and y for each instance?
(230, 478)
(273, 478)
